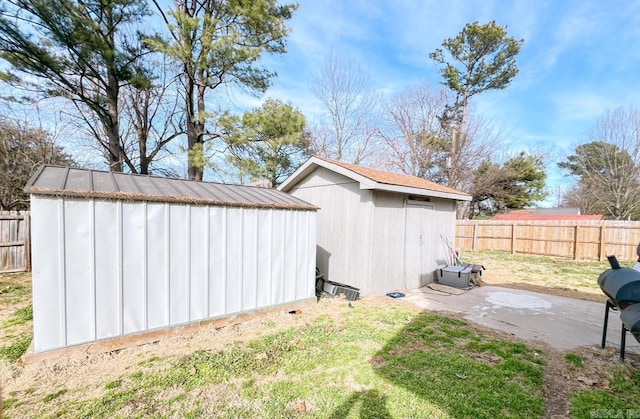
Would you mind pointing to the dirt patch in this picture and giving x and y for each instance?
(90, 372)
(563, 378)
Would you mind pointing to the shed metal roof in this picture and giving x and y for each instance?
(85, 183)
(375, 179)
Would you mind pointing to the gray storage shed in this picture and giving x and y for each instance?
(377, 231)
(117, 254)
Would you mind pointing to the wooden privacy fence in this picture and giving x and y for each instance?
(572, 239)
(15, 246)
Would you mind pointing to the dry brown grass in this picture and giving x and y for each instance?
(81, 373)
(89, 373)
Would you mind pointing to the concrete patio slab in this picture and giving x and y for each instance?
(561, 322)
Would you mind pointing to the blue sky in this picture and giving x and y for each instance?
(579, 59)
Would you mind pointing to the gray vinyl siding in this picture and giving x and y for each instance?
(344, 226)
(362, 234)
(388, 243)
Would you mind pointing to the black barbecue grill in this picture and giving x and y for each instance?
(622, 286)
(630, 317)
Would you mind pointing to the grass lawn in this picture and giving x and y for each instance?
(368, 361)
(379, 357)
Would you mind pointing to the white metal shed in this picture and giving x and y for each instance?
(118, 254)
(377, 231)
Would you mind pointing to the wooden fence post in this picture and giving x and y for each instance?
(575, 242)
(601, 252)
(27, 241)
(513, 238)
(475, 236)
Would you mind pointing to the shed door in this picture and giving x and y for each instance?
(419, 245)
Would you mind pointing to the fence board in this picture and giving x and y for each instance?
(571, 239)
(15, 249)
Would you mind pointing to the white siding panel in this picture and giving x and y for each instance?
(249, 259)
(265, 251)
(217, 261)
(133, 278)
(48, 286)
(78, 275)
(311, 252)
(199, 255)
(157, 245)
(179, 255)
(107, 270)
(234, 260)
(303, 280)
(279, 258)
(291, 255)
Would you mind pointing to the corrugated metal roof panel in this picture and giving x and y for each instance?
(127, 184)
(62, 181)
(52, 177)
(103, 182)
(77, 181)
(146, 186)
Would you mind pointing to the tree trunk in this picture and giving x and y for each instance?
(115, 151)
(194, 134)
(112, 92)
(195, 170)
(144, 159)
(112, 127)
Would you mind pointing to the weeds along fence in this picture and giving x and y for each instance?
(15, 246)
(592, 240)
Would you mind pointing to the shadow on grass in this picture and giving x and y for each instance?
(454, 370)
(372, 405)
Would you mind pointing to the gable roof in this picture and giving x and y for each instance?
(375, 179)
(85, 183)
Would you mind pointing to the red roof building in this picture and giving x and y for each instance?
(519, 216)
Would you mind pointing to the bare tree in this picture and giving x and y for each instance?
(152, 120)
(418, 143)
(607, 166)
(348, 130)
(579, 196)
(22, 150)
(412, 132)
